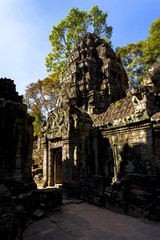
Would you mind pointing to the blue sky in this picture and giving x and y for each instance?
(26, 24)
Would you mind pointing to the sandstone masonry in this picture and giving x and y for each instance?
(100, 126)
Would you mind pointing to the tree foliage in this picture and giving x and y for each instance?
(138, 57)
(69, 31)
(131, 57)
(40, 98)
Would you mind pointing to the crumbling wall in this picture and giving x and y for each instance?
(16, 137)
(19, 201)
(131, 125)
(132, 151)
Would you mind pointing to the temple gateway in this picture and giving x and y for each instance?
(100, 126)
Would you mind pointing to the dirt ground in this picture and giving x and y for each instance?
(83, 221)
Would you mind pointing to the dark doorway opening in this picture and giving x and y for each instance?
(57, 165)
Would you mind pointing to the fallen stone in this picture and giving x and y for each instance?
(5, 195)
(37, 214)
(21, 216)
(43, 197)
(137, 212)
(116, 206)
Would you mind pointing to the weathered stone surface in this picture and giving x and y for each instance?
(21, 216)
(16, 137)
(93, 190)
(46, 198)
(136, 198)
(102, 127)
(93, 79)
(17, 202)
(5, 195)
(38, 213)
(9, 228)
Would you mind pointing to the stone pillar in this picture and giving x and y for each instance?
(66, 162)
(95, 149)
(50, 166)
(27, 163)
(45, 165)
(19, 145)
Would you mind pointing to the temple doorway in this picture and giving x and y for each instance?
(57, 165)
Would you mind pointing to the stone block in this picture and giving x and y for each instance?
(96, 200)
(49, 197)
(137, 212)
(116, 206)
(38, 214)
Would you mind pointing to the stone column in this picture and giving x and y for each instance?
(66, 162)
(45, 165)
(50, 182)
(19, 153)
(95, 149)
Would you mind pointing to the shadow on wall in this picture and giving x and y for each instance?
(106, 159)
(137, 159)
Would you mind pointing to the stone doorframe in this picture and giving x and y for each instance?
(51, 166)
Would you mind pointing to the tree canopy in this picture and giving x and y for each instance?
(69, 31)
(40, 98)
(138, 57)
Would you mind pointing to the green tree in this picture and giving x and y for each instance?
(40, 98)
(97, 21)
(69, 31)
(151, 47)
(138, 57)
(131, 56)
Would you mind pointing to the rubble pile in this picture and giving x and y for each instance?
(137, 195)
(17, 211)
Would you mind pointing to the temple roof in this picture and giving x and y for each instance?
(119, 110)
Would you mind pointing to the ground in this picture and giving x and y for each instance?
(83, 221)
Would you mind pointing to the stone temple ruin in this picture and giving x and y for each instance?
(101, 142)
(101, 128)
(19, 198)
(16, 138)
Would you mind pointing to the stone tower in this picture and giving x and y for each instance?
(94, 77)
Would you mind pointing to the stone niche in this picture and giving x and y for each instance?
(16, 138)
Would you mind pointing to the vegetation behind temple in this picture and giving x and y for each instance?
(66, 34)
(138, 57)
(41, 96)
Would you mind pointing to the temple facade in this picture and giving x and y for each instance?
(100, 126)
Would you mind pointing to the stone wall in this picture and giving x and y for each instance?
(16, 137)
(100, 126)
(19, 201)
(132, 150)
